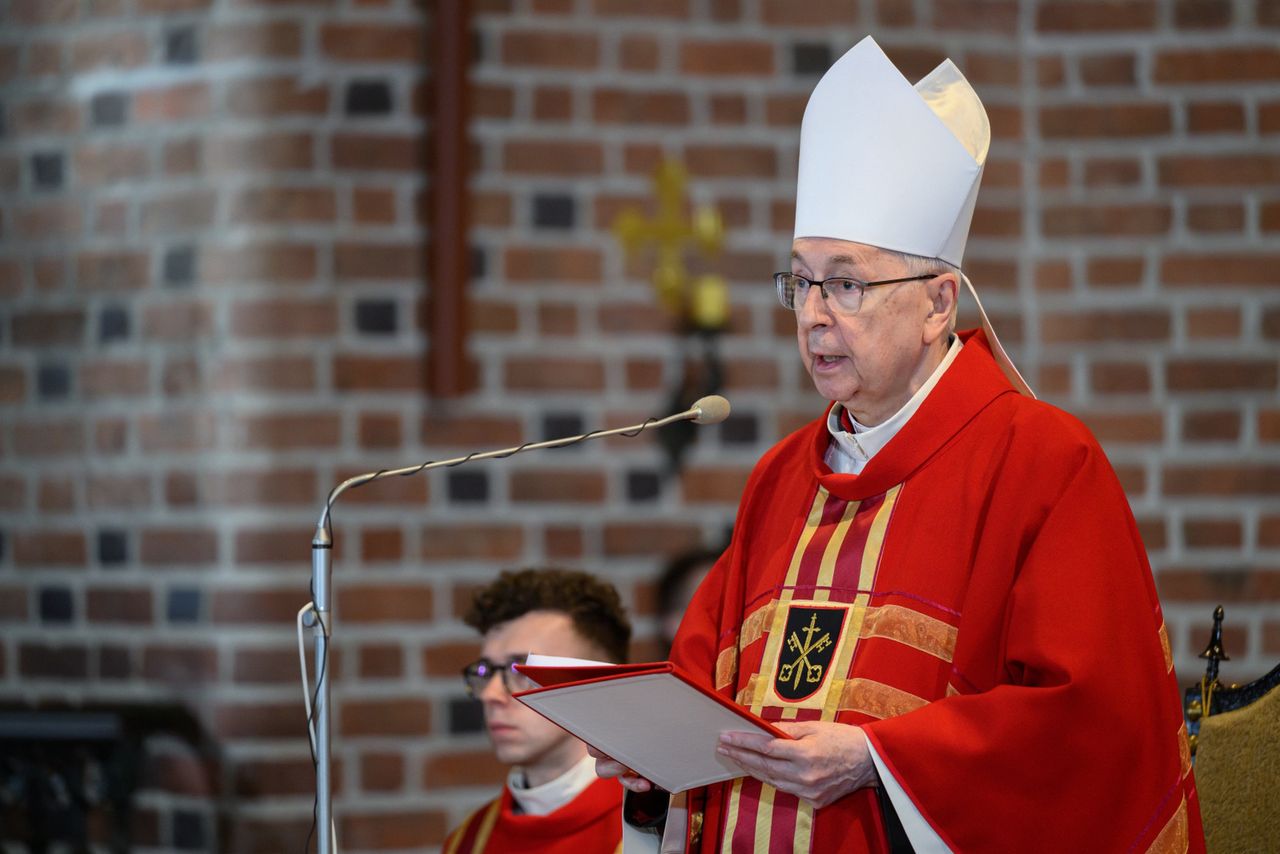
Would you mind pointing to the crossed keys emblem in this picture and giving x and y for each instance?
(801, 666)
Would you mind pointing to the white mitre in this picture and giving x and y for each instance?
(889, 164)
(892, 165)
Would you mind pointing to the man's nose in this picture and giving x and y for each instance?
(813, 310)
(494, 691)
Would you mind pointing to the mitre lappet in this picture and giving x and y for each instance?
(896, 166)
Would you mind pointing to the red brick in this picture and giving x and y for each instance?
(1221, 374)
(1096, 221)
(378, 260)
(729, 57)
(368, 603)
(266, 666)
(181, 664)
(550, 49)
(381, 545)
(284, 205)
(48, 548)
(244, 721)
(56, 495)
(1211, 426)
(1216, 219)
(258, 40)
(119, 605)
(1082, 16)
(295, 373)
(731, 109)
(1098, 325)
(552, 264)
(1051, 72)
(377, 152)
(270, 262)
(174, 104)
(641, 538)
(378, 830)
(1227, 170)
(1237, 64)
(373, 206)
(177, 431)
(1105, 121)
(276, 545)
(384, 716)
(380, 373)
(49, 220)
(1212, 533)
(13, 493)
(381, 661)
(1216, 117)
(259, 152)
(1203, 323)
(276, 96)
(285, 318)
(48, 438)
(1126, 427)
(722, 161)
(638, 53)
(1202, 14)
(118, 491)
(183, 547)
(1108, 69)
(1120, 377)
(382, 772)
(547, 373)
(710, 485)
(1222, 479)
(13, 604)
(257, 605)
(465, 768)
(40, 12)
(558, 157)
(624, 106)
(563, 486)
(1223, 585)
(45, 117)
(110, 379)
(1218, 270)
(1269, 425)
(98, 272)
(380, 43)
(472, 542)
(377, 430)
(47, 328)
(289, 431)
(462, 430)
(13, 385)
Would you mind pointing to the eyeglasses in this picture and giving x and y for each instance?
(478, 673)
(842, 294)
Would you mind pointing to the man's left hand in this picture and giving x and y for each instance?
(825, 761)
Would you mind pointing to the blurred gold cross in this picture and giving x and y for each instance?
(702, 301)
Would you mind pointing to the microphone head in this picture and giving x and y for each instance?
(711, 409)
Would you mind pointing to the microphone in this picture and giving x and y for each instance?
(707, 410)
(711, 409)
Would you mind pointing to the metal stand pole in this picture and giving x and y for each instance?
(321, 581)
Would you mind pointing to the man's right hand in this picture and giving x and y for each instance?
(608, 767)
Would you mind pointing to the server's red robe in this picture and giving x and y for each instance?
(589, 824)
(979, 601)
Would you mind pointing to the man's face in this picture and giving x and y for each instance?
(521, 736)
(872, 361)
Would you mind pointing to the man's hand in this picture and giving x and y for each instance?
(607, 767)
(826, 761)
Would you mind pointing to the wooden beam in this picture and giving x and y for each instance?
(447, 252)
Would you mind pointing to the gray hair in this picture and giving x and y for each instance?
(919, 265)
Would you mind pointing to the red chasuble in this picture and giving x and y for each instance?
(589, 824)
(979, 601)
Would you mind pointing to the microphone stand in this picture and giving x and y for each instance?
(707, 410)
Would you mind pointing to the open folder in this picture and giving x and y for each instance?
(651, 717)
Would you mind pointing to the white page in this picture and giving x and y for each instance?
(536, 660)
(663, 728)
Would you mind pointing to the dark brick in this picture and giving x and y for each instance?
(113, 547)
(183, 605)
(53, 382)
(113, 324)
(189, 831)
(557, 425)
(368, 98)
(109, 109)
(553, 210)
(179, 266)
(643, 486)
(740, 430)
(48, 170)
(465, 716)
(478, 262)
(376, 316)
(182, 46)
(810, 58)
(56, 605)
(468, 487)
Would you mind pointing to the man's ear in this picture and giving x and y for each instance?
(943, 291)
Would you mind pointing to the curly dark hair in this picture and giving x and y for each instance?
(592, 604)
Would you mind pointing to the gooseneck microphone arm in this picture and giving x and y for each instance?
(707, 410)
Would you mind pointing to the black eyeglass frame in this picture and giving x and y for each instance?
(780, 280)
(483, 669)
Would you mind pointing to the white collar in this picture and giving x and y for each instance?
(553, 794)
(849, 453)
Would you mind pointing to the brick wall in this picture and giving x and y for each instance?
(212, 275)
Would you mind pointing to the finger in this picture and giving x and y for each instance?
(746, 740)
(634, 783)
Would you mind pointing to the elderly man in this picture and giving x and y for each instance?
(937, 588)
